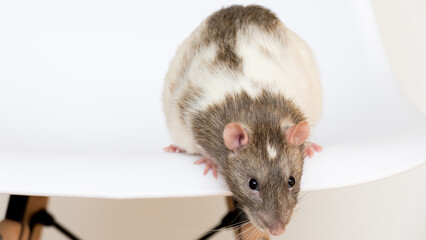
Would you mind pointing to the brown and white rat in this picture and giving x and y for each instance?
(243, 91)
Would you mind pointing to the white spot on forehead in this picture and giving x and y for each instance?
(286, 123)
(272, 152)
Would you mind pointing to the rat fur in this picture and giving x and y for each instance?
(242, 65)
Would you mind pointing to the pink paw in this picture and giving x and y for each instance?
(210, 164)
(311, 148)
(173, 149)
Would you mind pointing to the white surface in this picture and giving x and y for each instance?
(80, 111)
(406, 47)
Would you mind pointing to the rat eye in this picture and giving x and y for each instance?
(291, 182)
(253, 184)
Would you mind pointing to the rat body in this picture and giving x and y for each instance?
(244, 91)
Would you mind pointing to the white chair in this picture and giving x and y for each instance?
(80, 89)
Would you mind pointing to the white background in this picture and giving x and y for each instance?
(388, 209)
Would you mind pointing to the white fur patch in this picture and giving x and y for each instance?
(285, 124)
(272, 152)
(218, 83)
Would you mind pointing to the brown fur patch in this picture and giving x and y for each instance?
(265, 51)
(261, 117)
(223, 26)
(187, 100)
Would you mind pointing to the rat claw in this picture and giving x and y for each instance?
(206, 169)
(210, 164)
(316, 147)
(311, 148)
(173, 149)
(214, 171)
(200, 161)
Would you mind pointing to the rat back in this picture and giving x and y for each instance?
(234, 50)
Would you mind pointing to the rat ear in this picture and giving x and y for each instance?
(296, 135)
(234, 136)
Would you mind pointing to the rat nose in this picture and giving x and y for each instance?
(277, 230)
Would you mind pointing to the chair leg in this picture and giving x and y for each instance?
(247, 231)
(16, 224)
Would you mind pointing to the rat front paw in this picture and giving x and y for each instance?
(311, 148)
(210, 164)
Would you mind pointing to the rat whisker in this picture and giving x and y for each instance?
(240, 226)
(237, 216)
(237, 225)
(303, 195)
(233, 226)
(258, 233)
(250, 231)
(253, 234)
(307, 196)
(243, 232)
(230, 227)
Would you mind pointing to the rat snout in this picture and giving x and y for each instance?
(277, 229)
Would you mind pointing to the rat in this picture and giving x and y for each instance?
(244, 92)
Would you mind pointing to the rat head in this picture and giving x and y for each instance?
(263, 171)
